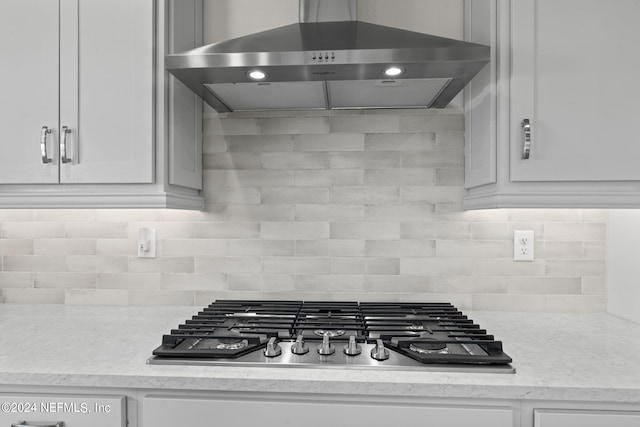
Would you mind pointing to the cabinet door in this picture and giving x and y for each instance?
(192, 411)
(28, 90)
(566, 418)
(575, 69)
(71, 410)
(106, 90)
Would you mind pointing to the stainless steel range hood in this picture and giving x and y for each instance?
(329, 60)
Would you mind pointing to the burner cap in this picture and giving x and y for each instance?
(231, 344)
(429, 348)
(330, 333)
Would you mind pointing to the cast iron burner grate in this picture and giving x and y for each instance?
(372, 335)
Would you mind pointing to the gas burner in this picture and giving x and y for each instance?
(429, 348)
(329, 333)
(416, 327)
(232, 344)
(246, 325)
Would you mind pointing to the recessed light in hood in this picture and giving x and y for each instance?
(257, 75)
(332, 62)
(393, 71)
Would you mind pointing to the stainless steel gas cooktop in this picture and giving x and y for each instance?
(310, 334)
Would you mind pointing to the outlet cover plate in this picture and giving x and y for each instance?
(147, 243)
(523, 245)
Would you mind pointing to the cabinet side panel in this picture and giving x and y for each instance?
(480, 99)
(185, 108)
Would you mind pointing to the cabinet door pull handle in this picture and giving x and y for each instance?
(43, 144)
(27, 424)
(526, 138)
(63, 145)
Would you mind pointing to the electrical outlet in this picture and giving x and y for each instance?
(523, 245)
(147, 243)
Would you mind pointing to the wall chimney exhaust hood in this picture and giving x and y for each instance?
(329, 60)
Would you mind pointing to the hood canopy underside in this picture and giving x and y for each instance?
(329, 65)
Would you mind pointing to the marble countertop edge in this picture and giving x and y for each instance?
(423, 389)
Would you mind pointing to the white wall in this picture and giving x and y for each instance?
(623, 264)
(226, 19)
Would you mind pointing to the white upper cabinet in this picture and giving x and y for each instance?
(86, 105)
(29, 91)
(106, 90)
(570, 69)
(85, 71)
(576, 68)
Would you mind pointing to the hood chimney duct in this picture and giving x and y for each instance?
(312, 11)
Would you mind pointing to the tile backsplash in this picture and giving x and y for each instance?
(324, 205)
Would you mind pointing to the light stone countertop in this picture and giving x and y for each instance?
(587, 357)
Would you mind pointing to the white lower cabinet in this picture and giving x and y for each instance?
(569, 418)
(172, 411)
(61, 410)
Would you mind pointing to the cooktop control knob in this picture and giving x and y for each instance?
(299, 347)
(352, 348)
(273, 349)
(326, 348)
(379, 352)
